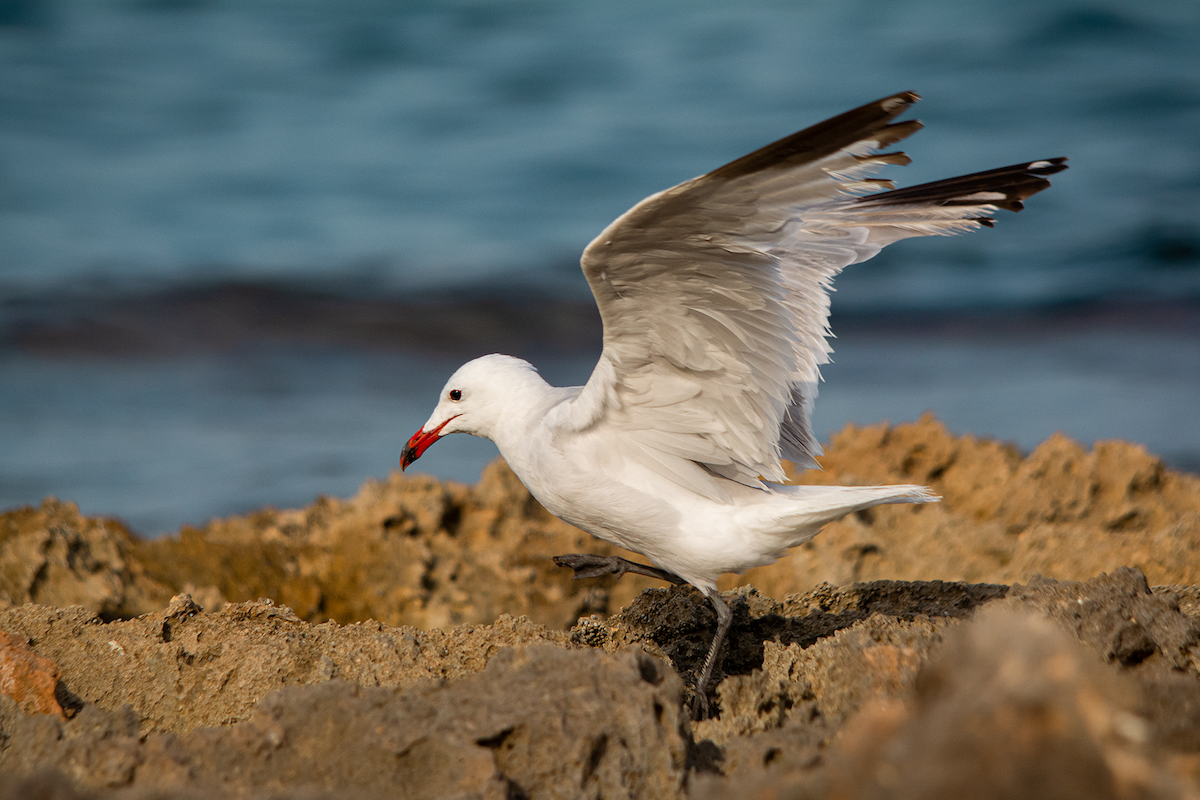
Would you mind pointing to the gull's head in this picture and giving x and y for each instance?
(473, 401)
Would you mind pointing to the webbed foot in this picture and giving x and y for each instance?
(590, 566)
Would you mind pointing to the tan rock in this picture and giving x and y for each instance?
(29, 679)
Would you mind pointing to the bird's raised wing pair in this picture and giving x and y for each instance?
(715, 300)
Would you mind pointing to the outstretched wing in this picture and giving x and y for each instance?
(714, 294)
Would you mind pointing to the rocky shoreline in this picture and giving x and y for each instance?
(418, 642)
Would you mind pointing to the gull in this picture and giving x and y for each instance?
(714, 296)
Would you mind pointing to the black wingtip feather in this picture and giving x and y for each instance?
(826, 138)
(1016, 183)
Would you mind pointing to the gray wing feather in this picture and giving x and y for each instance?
(714, 294)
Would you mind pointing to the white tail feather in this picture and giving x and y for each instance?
(802, 510)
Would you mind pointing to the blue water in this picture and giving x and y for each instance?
(432, 143)
(399, 149)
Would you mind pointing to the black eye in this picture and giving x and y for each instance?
(455, 395)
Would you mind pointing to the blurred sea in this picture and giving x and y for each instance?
(244, 242)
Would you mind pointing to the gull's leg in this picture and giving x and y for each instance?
(724, 620)
(589, 566)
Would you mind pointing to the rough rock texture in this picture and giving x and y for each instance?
(413, 551)
(29, 679)
(1054, 689)
(1003, 517)
(538, 721)
(180, 669)
(133, 669)
(1008, 707)
(55, 556)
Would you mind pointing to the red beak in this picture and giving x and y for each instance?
(420, 442)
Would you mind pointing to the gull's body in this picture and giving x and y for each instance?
(605, 484)
(714, 298)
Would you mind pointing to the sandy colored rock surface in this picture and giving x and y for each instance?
(180, 669)
(413, 551)
(537, 721)
(1005, 643)
(1061, 511)
(1051, 689)
(27, 678)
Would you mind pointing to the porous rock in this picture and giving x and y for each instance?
(537, 722)
(1018, 612)
(181, 669)
(1062, 511)
(409, 550)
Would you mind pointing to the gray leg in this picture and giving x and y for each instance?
(589, 566)
(724, 620)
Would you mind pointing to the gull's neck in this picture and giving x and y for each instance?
(523, 400)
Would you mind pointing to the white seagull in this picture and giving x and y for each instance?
(714, 296)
